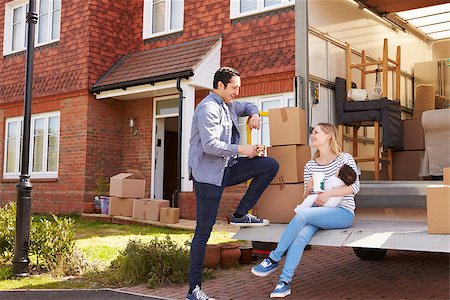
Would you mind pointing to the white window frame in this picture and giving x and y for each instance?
(235, 8)
(286, 99)
(45, 173)
(8, 28)
(148, 20)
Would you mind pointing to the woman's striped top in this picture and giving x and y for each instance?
(348, 201)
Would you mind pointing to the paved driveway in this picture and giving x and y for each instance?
(335, 273)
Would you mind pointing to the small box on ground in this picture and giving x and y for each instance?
(170, 215)
(413, 136)
(277, 203)
(121, 206)
(292, 160)
(148, 209)
(127, 185)
(287, 126)
(438, 209)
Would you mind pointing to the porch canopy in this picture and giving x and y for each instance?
(143, 72)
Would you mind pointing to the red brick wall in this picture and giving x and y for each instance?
(137, 150)
(104, 144)
(66, 194)
(230, 200)
(95, 138)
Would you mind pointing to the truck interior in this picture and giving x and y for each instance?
(398, 49)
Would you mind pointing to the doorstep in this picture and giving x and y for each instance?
(183, 223)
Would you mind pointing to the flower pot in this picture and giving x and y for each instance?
(246, 255)
(104, 205)
(229, 255)
(212, 256)
(97, 205)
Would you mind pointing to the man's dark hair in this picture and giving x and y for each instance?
(347, 174)
(224, 74)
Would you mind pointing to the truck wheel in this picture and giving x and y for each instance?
(370, 253)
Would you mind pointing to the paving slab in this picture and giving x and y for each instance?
(334, 273)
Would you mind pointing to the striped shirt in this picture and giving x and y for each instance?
(348, 201)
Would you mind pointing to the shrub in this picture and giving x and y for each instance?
(157, 262)
(7, 230)
(51, 242)
(49, 239)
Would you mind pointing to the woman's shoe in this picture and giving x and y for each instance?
(281, 290)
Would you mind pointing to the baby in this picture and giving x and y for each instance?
(346, 176)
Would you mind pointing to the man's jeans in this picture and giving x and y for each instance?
(300, 231)
(261, 169)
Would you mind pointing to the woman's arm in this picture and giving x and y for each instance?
(307, 177)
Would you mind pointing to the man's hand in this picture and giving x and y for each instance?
(247, 150)
(254, 122)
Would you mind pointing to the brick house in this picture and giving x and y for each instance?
(100, 64)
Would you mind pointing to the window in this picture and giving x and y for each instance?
(241, 8)
(44, 146)
(47, 27)
(162, 17)
(265, 103)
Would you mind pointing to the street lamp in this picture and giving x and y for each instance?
(24, 187)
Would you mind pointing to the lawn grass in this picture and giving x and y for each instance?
(101, 243)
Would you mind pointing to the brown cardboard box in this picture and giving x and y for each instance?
(170, 215)
(292, 160)
(277, 203)
(438, 209)
(446, 174)
(287, 126)
(405, 165)
(148, 209)
(413, 136)
(130, 185)
(121, 206)
(424, 100)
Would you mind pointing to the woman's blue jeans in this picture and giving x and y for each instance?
(300, 231)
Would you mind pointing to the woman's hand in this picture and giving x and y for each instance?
(309, 186)
(322, 199)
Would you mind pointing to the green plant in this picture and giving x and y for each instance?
(49, 239)
(52, 242)
(7, 230)
(158, 262)
(102, 186)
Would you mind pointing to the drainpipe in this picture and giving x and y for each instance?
(180, 127)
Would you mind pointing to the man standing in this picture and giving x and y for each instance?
(214, 165)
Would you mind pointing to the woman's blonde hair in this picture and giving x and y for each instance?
(332, 131)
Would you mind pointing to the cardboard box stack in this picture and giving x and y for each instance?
(288, 138)
(148, 209)
(438, 206)
(123, 189)
(406, 163)
(127, 191)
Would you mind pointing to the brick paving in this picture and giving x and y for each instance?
(334, 273)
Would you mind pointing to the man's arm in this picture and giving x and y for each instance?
(210, 129)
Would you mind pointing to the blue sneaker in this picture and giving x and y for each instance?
(264, 268)
(281, 290)
(248, 220)
(198, 294)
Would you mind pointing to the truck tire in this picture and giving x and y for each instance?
(370, 253)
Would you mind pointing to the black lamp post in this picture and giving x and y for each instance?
(24, 187)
